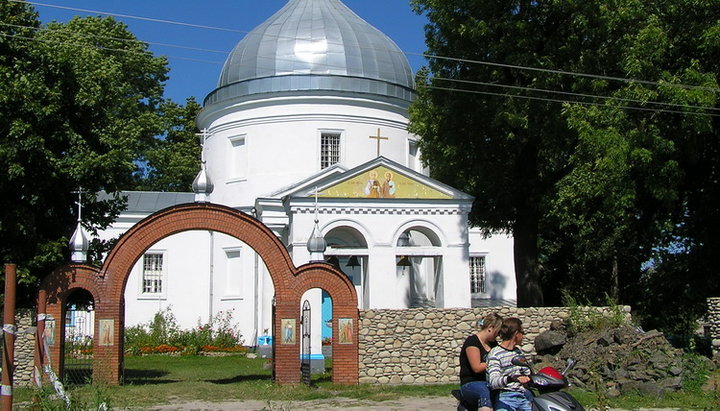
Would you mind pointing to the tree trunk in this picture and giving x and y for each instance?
(527, 273)
(615, 281)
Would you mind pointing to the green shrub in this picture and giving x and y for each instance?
(696, 371)
(163, 331)
(586, 318)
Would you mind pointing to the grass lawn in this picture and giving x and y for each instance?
(159, 379)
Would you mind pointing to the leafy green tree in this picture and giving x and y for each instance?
(79, 104)
(589, 187)
(174, 160)
(635, 171)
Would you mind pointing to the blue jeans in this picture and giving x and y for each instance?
(514, 401)
(476, 394)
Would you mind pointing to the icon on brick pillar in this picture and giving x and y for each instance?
(345, 330)
(107, 332)
(50, 332)
(288, 330)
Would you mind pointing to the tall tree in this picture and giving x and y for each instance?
(173, 160)
(79, 103)
(588, 187)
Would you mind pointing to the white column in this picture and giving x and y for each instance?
(388, 286)
(456, 278)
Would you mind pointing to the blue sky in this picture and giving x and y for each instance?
(195, 73)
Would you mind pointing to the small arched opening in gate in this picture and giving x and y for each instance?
(78, 337)
(290, 283)
(68, 303)
(315, 279)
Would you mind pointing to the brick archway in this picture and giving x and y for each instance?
(290, 283)
(54, 292)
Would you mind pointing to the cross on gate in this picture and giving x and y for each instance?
(80, 193)
(378, 138)
(203, 136)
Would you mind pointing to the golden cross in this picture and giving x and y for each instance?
(378, 138)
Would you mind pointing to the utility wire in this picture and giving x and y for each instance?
(52, 41)
(425, 55)
(585, 103)
(129, 16)
(572, 73)
(568, 93)
(179, 23)
(65, 43)
(131, 41)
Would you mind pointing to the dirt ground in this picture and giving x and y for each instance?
(403, 404)
(409, 404)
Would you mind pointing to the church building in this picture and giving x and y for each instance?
(307, 132)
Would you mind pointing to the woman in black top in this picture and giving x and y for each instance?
(473, 363)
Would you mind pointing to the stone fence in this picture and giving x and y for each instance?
(413, 346)
(422, 346)
(714, 320)
(24, 347)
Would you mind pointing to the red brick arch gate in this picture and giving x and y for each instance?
(107, 286)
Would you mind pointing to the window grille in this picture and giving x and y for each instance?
(329, 149)
(152, 273)
(477, 275)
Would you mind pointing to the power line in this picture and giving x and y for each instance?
(425, 55)
(49, 41)
(64, 43)
(172, 22)
(129, 16)
(585, 103)
(52, 41)
(132, 41)
(572, 73)
(567, 93)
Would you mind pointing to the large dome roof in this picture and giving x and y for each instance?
(315, 45)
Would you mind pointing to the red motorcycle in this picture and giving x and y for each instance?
(547, 383)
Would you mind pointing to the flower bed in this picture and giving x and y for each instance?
(174, 350)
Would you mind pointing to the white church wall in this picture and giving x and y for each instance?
(499, 262)
(184, 287)
(284, 148)
(234, 281)
(191, 290)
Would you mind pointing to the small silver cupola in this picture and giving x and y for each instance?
(79, 243)
(202, 185)
(316, 245)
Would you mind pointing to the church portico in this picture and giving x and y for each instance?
(434, 244)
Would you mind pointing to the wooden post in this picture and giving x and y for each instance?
(40, 336)
(8, 362)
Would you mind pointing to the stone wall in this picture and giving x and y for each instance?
(24, 347)
(714, 320)
(415, 346)
(422, 346)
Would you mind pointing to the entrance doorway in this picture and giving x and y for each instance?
(79, 335)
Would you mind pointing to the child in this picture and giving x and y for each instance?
(505, 377)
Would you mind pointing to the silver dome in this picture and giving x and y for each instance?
(315, 45)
